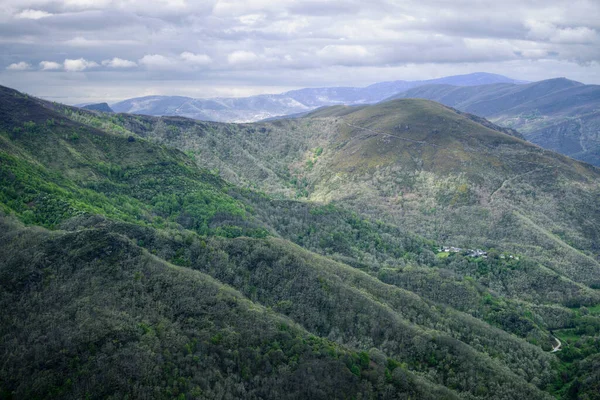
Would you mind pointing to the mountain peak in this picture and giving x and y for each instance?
(102, 107)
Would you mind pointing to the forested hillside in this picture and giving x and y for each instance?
(557, 114)
(423, 166)
(170, 258)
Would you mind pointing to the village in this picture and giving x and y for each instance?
(471, 252)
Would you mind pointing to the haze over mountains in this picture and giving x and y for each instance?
(298, 258)
(255, 108)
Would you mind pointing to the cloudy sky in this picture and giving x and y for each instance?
(77, 51)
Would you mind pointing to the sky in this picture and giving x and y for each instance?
(76, 51)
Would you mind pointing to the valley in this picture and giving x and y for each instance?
(163, 256)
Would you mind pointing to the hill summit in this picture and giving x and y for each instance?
(558, 114)
(103, 107)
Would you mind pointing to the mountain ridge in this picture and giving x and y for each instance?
(102, 107)
(254, 108)
(558, 114)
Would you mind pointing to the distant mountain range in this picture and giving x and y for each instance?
(557, 114)
(255, 108)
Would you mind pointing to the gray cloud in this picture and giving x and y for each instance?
(212, 47)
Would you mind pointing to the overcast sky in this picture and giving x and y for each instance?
(76, 51)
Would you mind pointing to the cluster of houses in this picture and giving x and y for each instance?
(471, 252)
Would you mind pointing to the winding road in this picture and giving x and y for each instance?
(557, 347)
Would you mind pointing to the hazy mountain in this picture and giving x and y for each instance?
(313, 270)
(255, 108)
(103, 107)
(557, 114)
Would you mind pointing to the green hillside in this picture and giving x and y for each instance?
(447, 178)
(129, 268)
(419, 164)
(557, 114)
(119, 322)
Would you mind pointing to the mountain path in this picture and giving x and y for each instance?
(513, 178)
(557, 347)
(389, 134)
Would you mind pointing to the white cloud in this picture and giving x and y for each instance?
(84, 4)
(117, 62)
(241, 57)
(342, 54)
(32, 14)
(20, 66)
(539, 30)
(80, 64)
(251, 19)
(195, 59)
(50, 65)
(157, 61)
(185, 61)
(80, 41)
